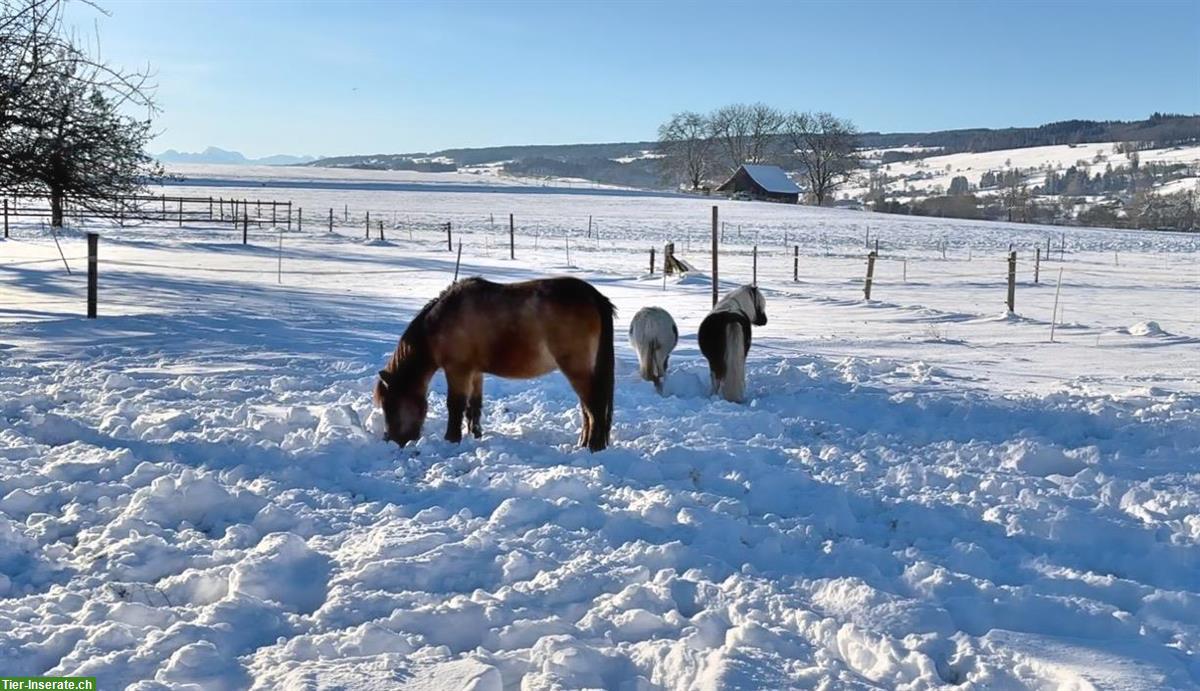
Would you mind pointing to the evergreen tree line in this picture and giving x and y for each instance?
(1158, 131)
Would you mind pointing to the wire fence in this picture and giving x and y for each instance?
(133, 209)
(790, 261)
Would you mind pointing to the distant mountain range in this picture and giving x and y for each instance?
(214, 155)
(634, 164)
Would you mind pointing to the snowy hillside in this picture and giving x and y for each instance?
(208, 179)
(922, 489)
(923, 175)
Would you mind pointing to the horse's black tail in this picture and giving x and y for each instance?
(603, 374)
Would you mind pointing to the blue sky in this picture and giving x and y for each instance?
(332, 78)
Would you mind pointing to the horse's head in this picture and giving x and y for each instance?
(759, 316)
(403, 401)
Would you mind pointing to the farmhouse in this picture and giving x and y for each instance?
(762, 182)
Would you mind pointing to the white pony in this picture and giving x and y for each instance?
(653, 335)
(725, 339)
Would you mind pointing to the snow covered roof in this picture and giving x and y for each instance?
(771, 178)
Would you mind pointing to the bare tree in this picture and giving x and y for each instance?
(826, 147)
(731, 130)
(86, 149)
(765, 125)
(685, 143)
(746, 133)
(65, 131)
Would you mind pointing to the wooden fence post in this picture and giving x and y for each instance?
(652, 262)
(5, 218)
(714, 255)
(1037, 264)
(589, 226)
(512, 243)
(870, 276)
(754, 271)
(299, 219)
(331, 219)
(368, 235)
(346, 213)
(449, 238)
(245, 224)
(1012, 282)
(796, 264)
(1062, 252)
(458, 261)
(210, 208)
(289, 221)
(93, 241)
(381, 231)
(181, 213)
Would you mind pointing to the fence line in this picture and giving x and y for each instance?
(480, 230)
(128, 208)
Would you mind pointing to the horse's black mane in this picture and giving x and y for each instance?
(414, 343)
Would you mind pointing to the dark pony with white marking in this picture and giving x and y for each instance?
(514, 330)
(725, 339)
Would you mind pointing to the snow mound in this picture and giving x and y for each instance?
(1043, 460)
(1146, 328)
(283, 569)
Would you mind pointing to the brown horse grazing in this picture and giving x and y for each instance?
(515, 330)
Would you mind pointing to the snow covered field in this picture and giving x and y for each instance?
(921, 491)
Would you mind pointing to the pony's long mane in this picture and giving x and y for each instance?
(412, 353)
(737, 299)
(414, 342)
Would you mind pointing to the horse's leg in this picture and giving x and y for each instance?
(457, 388)
(585, 427)
(580, 376)
(475, 406)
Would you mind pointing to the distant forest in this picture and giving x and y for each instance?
(1160, 129)
(594, 161)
